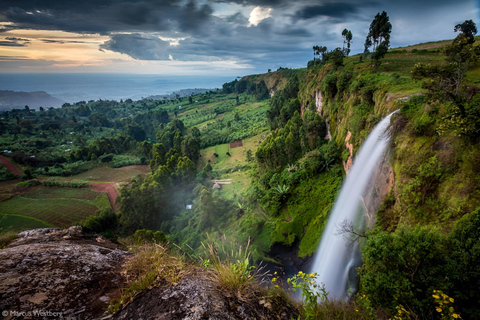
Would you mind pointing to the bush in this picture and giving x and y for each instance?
(104, 220)
(148, 236)
(403, 268)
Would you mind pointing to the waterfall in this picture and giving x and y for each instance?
(336, 259)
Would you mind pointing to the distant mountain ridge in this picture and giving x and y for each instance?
(19, 99)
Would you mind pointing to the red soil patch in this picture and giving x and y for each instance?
(10, 166)
(109, 189)
(236, 144)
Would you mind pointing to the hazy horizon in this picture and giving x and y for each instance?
(74, 87)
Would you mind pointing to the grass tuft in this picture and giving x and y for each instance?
(232, 268)
(150, 266)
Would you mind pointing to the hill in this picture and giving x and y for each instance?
(19, 99)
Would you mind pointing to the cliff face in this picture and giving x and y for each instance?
(69, 272)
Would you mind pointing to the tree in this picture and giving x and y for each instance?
(347, 38)
(461, 56)
(378, 37)
(468, 28)
(319, 51)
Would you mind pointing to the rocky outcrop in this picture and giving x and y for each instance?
(74, 274)
(59, 273)
(198, 297)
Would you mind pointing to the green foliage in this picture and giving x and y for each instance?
(307, 284)
(104, 220)
(379, 37)
(5, 174)
(403, 268)
(420, 189)
(233, 269)
(143, 236)
(66, 184)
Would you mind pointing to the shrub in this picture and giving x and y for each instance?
(232, 268)
(143, 236)
(104, 220)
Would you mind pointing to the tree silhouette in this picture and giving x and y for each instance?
(378, 37)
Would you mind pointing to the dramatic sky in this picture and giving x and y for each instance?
(227, 37)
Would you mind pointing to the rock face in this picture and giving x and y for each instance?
(71, 272)
(198, 297)
(347, 165)
(378, 189)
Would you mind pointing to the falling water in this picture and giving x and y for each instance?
(337, 259)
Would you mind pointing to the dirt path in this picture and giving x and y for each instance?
(10, 166)
(289, 219)
(109, 189)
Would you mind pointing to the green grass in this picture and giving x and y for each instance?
(108, 174)
(17, 223)
(58, 193)
(59, 212)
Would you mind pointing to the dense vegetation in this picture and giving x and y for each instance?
(279, 186)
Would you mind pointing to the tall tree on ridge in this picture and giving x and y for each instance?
(379, 37)
(347, 38)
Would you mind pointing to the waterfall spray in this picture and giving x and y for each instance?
(336, 260)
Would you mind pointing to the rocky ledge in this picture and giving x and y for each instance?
(74, 274)
(51, 273)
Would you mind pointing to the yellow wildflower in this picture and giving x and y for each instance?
(451, 300)
(274, 279)
(312, 275)
(439, 309)
(456, 316)
(435, 296)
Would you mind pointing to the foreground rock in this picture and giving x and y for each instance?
(198, 297)
(51, 273)
(74, 274)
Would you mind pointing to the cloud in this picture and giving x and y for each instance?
(14, 42)
(259, 14)
(16, 39)
(104, 16)
(138, 46)
(334, 10)
(61, 41)
(259, 34)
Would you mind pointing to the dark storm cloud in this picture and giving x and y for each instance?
(334, 10)
(14, 42)
(263, 3)
(61, 41)
(295, 33)
(104, 16)
(138, 46)
(16, 39)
